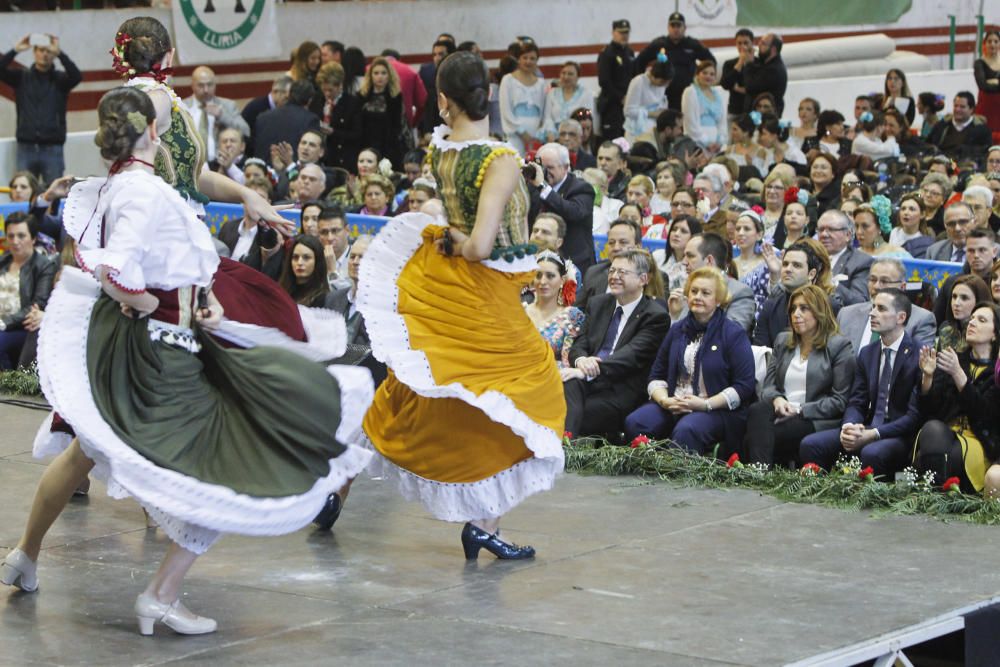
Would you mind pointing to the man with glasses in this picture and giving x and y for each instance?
(709, 186)
(614, 351)
(849, 267)
(571, 136)
(615, 68)
(993, 159)
(855, 320)
(961, 135)
(623, 235)
(958, 222)
(333, 234)
(684, 53)
(980, 200)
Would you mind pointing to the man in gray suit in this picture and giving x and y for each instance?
(855, 320)
(711, 250)
(958, 222)
(849, 266)
(211, 113)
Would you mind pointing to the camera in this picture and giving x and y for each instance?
(528, 171)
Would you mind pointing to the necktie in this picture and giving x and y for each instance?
(608, 346)
(882, 398)
(958, 255)
(203, 125)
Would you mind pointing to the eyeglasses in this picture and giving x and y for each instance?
(831, 230)
(931, 193)
(955, 223)
(872, 280)
(774, 187)
(621, 272)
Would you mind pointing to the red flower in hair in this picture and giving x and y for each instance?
(734, 461)
(639, 440)
(791, 195)
(951, 485)
(758, 209)
(569, 292)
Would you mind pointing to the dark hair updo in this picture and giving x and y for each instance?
(117, 133)
(150, 41)
(462, 77)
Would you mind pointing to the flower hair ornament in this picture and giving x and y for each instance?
(137, 121)
(796, 195)
(755, 118)
(784, 124)
(883, 209)
(119, 63)
(623, 144)
(662, 56)
(272, 175)
(866, 117)
(758, 209)
(385, 167)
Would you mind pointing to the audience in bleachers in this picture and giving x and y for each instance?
(789, 237)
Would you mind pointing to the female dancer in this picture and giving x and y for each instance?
(177, 439)
(470, 417)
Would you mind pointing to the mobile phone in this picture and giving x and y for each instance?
(39, 39)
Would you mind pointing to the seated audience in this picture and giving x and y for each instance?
(829, 138)
(549, 233)
(855, 320)
(958, 398)
(980, 253)
(804, 263)
(421, 192)
(962, 296)
(776, 186)
(230, 153)
(871, 225)
(712, 250)
(26, 279)
(703, 377)
(331, 229)
(670, 260)
(823, 175)
(377, 192)
(912, 234)
(555, 189)
(980, 200)
(881, 416)
(795, 222)
(611, 356)
(640, 191)
(808, 381)
(869, 142)
(957, 222)
(254, 244)
(304, 272)
(935, 190)
(349, 194)
(961, 135)
(995, 281)
(551, 312)
(848, 267)
(309, 217)
(624, 235)
(750, 264)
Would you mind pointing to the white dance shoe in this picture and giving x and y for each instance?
(19, 570)
(177, 617)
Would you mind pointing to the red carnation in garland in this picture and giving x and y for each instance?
(867, 473)
(952, 485)
(734, 461)
(567, 436)
(639, 440)
(811, 469)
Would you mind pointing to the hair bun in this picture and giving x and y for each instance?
(477, 103)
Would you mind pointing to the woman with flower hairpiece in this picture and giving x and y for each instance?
(161, 411)
(470, 418)
(869, 141)
(872, 228)
(550, 312)
(795, 221)
(646, 98)
(750, 263)
(772, 136)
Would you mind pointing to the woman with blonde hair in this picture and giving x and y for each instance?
(377, 192)
(383, 124)
(808, 381)
(775, 185)
(640, 191)
(703, 376)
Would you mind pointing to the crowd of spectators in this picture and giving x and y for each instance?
(777, 320)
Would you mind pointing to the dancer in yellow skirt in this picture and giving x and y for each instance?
(469, 420)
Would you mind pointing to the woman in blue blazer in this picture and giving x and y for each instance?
(703, 375)
(807, 384)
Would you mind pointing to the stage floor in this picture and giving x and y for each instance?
(628, 573)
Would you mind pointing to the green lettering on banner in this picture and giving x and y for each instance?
(782, 13)
(222, 40)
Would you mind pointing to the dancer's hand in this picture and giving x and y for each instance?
(452, 248)
(259, 209)
(210, 317)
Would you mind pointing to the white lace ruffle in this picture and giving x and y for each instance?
(82, 206)
(326, 335)
(439, 140)
(378, 301)
(62, 352)
(490, 498)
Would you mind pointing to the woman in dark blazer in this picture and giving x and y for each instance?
(26, 279)
(807, 384)
(959, 397)
(703, 375)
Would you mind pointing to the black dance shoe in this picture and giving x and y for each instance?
(474, 539)
(330, 512)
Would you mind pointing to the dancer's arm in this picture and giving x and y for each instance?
(498, 186)
(222, 188)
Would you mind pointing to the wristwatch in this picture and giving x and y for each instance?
(708, 405)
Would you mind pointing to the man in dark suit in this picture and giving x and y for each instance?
(287, 123)
(443, 47)
(613, 353)
(253, 244)
(980, 253)
(571, 136)
(623, 235)
(961, 135)
(712, 250)
(555, 189)
(849, 267)
(882, 416)
(258, 105)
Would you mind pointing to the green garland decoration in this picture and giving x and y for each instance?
(847, 486)
(22, 382)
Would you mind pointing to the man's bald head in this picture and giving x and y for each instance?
(203, 84)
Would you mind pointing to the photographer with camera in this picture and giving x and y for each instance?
(40, 95)
(555, 190)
